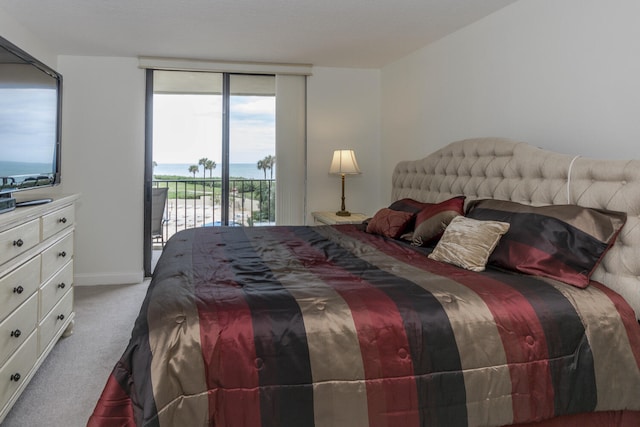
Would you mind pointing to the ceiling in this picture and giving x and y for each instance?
(333, 33)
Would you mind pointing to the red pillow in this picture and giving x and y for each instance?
(432, 220)
(388, 222)
(412, 206)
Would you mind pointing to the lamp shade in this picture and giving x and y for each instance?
(344, 163)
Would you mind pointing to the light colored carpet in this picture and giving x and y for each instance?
(68, 384)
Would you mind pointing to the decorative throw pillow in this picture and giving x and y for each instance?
(389, 223)
(562, 242)
(412, 206)
(432, 220)
(468, 242)
(409, 205)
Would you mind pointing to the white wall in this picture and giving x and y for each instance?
(103, 159)
(343, 112)
(562, 75)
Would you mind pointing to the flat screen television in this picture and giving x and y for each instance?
(30, 120)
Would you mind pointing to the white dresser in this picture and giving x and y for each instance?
(36, 290)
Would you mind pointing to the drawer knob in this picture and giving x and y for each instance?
(18, 290)
(15, 377)
(61, 317)
(16, 333)
(63, 220)
(62, 254)
(62, 285)
(18, 242)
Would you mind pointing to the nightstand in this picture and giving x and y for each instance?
(330, 218)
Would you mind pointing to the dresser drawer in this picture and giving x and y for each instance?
(55, 288)
(54, 257)
(15, 241)
(16, 371)
(15, 329)
(19, 285)
(55, 320)
(57, 221)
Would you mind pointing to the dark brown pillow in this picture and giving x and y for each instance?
(409, 205)
(432, 220)
(390, 223)
(562, 242)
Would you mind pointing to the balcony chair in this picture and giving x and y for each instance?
(158, 205)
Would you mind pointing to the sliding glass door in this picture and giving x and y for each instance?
(210, 141)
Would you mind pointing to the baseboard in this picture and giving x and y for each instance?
(125, 278)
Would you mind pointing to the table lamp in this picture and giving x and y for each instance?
(344, 163)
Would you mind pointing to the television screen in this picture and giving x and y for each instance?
(29, 121)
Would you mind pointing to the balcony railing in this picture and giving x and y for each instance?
(198, 202)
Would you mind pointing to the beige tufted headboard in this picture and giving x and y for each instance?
(503, 169)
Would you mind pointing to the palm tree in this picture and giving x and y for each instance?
(262, 166)
(267, 163)
(193, 169)
(210, 165)
(271, 162)
(203, 162)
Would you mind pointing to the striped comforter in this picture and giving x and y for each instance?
(331, 326)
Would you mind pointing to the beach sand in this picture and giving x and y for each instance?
(181, 214)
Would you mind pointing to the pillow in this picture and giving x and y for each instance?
(409, 205)
(389, 223)
(562, 242)
(432, 220)
(468, 242)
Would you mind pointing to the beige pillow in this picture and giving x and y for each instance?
(468, 242)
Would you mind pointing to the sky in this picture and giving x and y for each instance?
(187, 128)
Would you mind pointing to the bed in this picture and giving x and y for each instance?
(392, 322)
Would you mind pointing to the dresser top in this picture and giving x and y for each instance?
(24, 214)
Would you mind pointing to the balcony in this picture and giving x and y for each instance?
(198, 202)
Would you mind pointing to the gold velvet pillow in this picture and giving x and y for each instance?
(468, 242)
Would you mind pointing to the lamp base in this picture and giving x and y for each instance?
(343, 213)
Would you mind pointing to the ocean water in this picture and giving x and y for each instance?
(29, 168)
(236, 170)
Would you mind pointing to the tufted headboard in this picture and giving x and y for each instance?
(503, 169)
